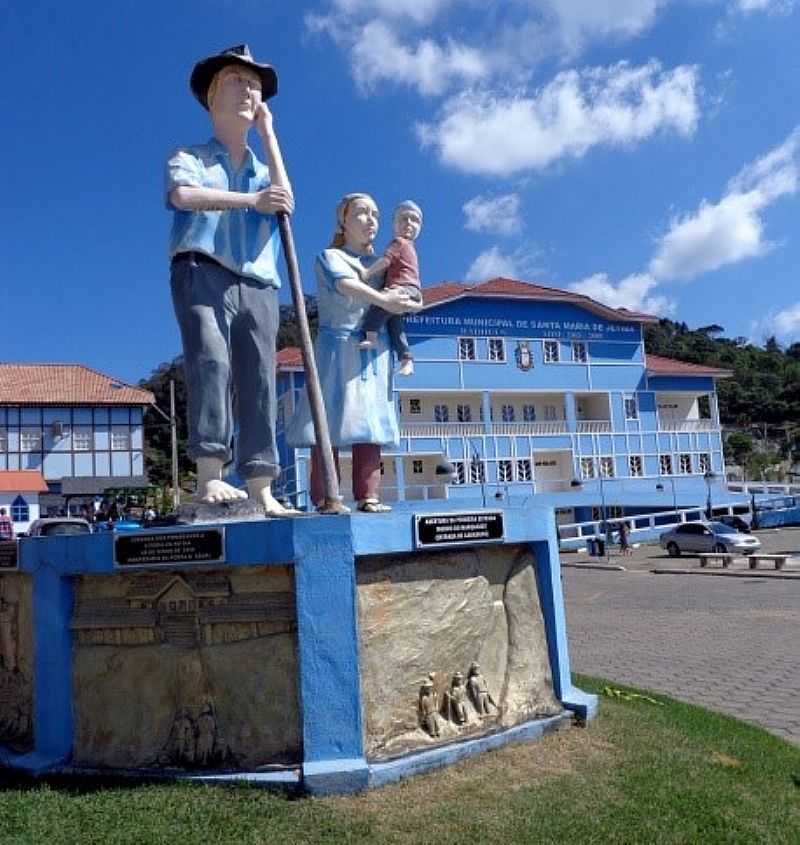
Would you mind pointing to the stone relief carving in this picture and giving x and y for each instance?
(474, 617)
(16, 695)
(186, 670)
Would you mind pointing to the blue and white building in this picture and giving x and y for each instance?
(81, 429)
(533, 391)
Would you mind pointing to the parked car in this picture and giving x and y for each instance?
(52, 525)
(740, 523)
(708, 537)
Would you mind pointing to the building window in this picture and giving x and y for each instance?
(524, 471)
(607, 466)
(685, 464)
(466, 348)
(20, 512)
(612, 512)
(30, 440)
(529, 413)
(550, 412)
(82, 440)
(631, 408)
(464, 413)
(414, 406)
(551, 352)
(665, 464)
(704, 462)
(505, 472)
(507, 412)
(383, 469)
(477, 472)
(417, 467)
(3, 440)
(635, 466)
(120, 438)
(579, 352)
(587, 468)
(441, 413)
(497, 349)
(459, 474)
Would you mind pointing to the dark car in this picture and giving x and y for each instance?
(740, 523)
(50, 526)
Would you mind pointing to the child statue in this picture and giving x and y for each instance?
(401, 265)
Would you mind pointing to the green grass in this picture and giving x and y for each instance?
(646, 771)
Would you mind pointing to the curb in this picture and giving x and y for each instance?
(603, 567)
(786, 576)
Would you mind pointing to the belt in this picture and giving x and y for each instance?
(195, 257)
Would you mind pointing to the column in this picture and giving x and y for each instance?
(400, 477)
(486, 408)
(571, 412)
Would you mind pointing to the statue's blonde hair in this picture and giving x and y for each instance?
(337, 242)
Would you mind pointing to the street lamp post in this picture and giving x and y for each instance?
(708, 478)
(660, 487)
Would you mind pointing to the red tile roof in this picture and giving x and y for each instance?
(65, 384)
(503, 288)
(22, 481)
(657, 365)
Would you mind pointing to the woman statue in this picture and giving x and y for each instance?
(356, 383)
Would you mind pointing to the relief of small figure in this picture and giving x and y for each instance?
(479, 691)
(429, 708)
(455, 700)
(206, 736)
(184, 733)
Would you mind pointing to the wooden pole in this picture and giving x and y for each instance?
(333, 501)
(173, 434)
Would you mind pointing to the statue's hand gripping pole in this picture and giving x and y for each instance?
(333, 501)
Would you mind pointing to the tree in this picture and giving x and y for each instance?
(740, 446)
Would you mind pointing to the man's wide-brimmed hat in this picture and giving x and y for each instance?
(205, 70)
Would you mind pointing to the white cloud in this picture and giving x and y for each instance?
(494, 262)
(787, 322)
(778, 6)
(732, 229)
(419, 11)
(377, 55)
(616, 106)
(634, 292)
(498, 215)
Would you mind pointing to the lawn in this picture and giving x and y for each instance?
(648, 770)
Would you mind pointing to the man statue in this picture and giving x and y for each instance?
(479, 691)
(224, 249)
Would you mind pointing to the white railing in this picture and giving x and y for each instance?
(575, 532)
(764, 487)
(439, 429)
(686, 425)
(548, 427)
(594, 426)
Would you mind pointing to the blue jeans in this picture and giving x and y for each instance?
(228, 326)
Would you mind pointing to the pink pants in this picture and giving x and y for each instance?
(366, 472)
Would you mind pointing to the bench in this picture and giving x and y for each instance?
(778, 560)
(726, 558)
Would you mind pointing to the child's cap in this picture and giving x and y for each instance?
(408, 205)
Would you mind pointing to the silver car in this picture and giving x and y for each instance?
(693, 537)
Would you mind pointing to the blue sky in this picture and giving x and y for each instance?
(644, 152)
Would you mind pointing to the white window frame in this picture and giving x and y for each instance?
(550, 413)
(417, 467)
(414, 405)
(467, 349)
(665, 465)
(505, 470)
(497, 349)
(607, 466)
(704, 462)
(82, 440)
(508, 414)
(524, 470)
(459, 473)
(529, 413)
(684, 463)
(464, 413)
(588, 468)
(580, 357)
(118, 444)
(551, 351)
(30, 440)
(441, 413)
(636, 466)
(634, 415)
(477, 471)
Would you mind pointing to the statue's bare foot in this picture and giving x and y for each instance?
(261, 492)
(216, 491)
(406, 367)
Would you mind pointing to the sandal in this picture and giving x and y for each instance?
(373, 506)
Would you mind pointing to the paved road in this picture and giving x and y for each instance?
(728, 643)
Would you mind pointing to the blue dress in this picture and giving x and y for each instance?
(356, 383)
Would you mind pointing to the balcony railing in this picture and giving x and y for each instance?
(686, 425)
(456, 429)
(594, 426)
